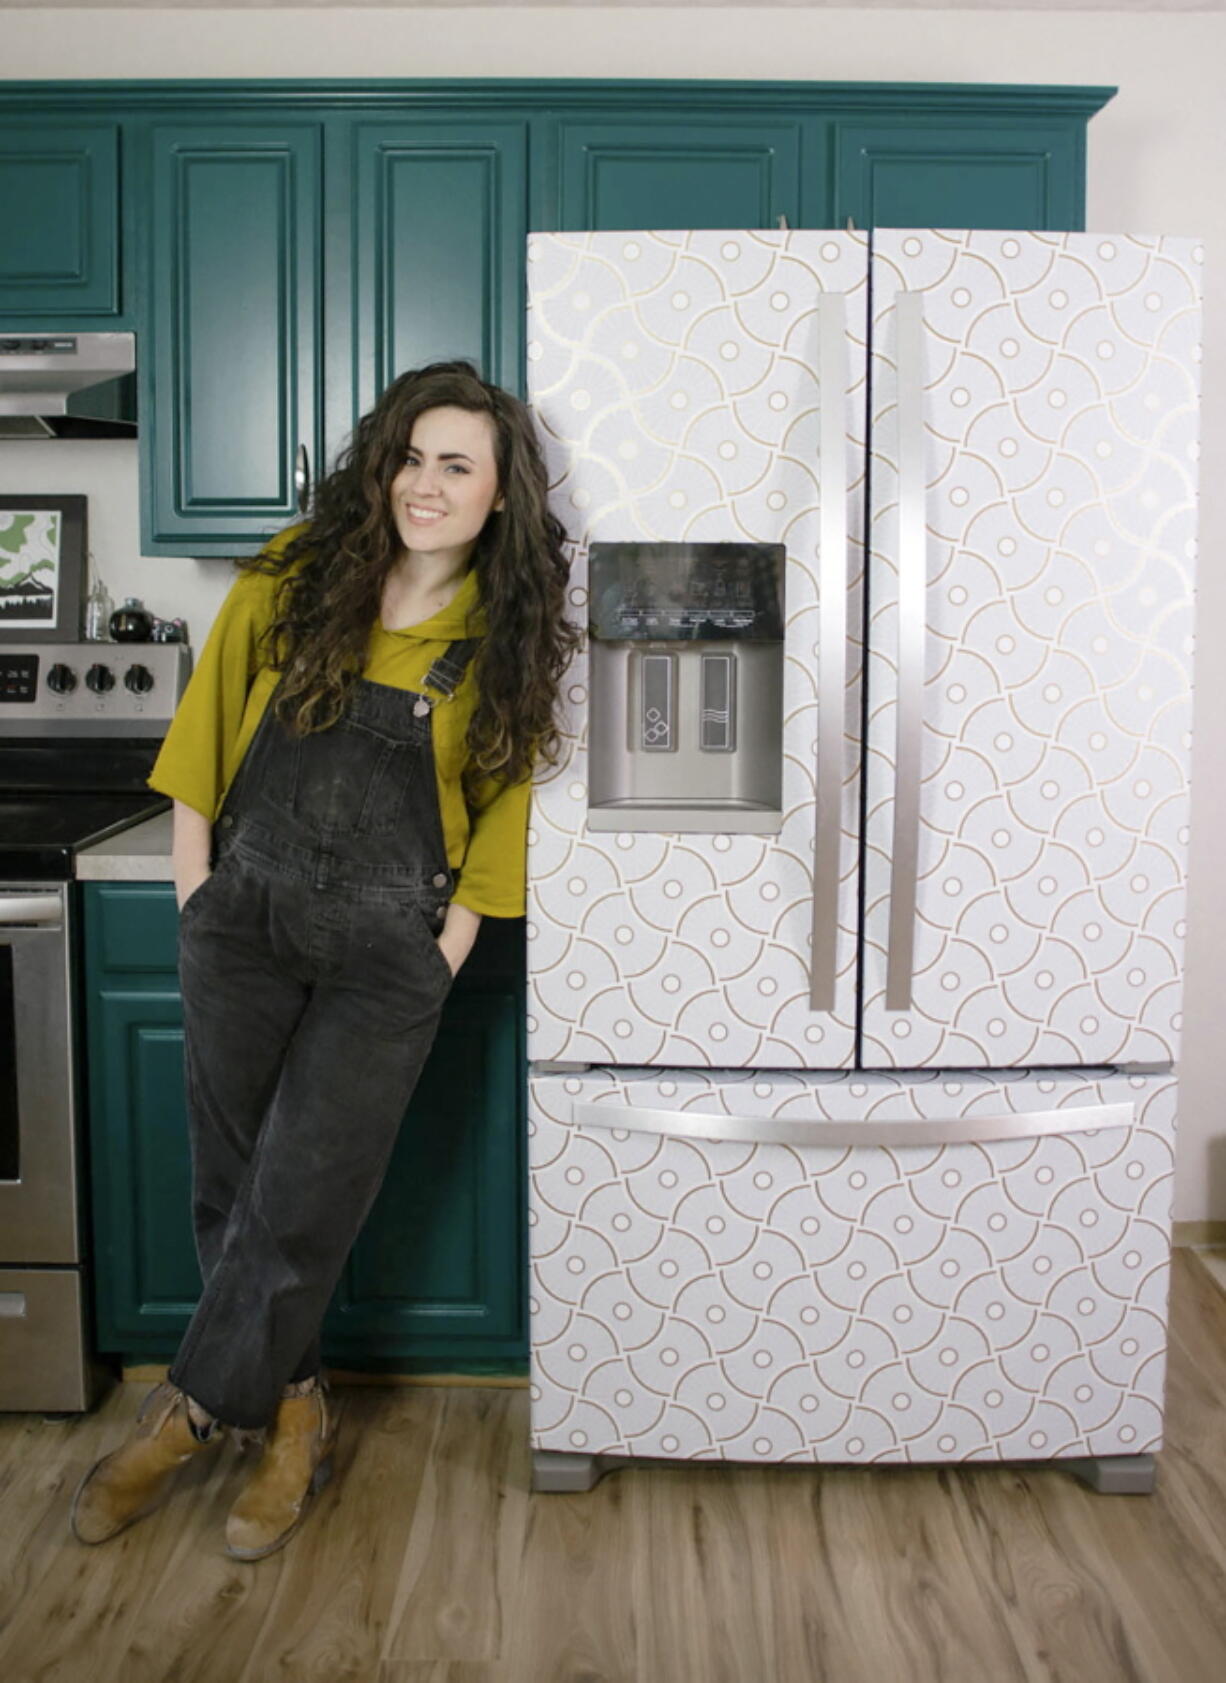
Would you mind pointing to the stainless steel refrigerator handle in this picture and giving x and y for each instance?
(302, 478)
(832, 649)
(795, 1130)
(912, 583)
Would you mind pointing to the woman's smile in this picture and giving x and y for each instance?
(449, 477)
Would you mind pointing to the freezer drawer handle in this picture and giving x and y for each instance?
(912, 584)
(820, 1132)
(832, 649)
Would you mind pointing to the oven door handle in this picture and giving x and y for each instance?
(31, 911)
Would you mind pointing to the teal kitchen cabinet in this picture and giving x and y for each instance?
(431, 217)
(229, 363)
(59, 189)
(1008, 172)
(726, 155)
(713, 169)
(436, 1280)
(408, 241)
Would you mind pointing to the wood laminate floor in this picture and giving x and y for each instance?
(429, 1561)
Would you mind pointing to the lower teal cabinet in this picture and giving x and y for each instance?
(436, 1279)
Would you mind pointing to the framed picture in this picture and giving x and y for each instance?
(42, 568)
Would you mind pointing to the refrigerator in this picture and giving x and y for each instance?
(856, 895)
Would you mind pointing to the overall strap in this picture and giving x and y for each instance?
(451, 665)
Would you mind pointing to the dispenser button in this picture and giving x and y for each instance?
(659, 690)
(717, 719)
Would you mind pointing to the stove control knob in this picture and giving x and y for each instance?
(61, 679)
(100, 679)
(138, 679)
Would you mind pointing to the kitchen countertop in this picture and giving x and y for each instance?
(141, 854)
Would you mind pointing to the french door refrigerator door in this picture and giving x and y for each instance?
(849, 1267)
(1032, 539)
(701, 389)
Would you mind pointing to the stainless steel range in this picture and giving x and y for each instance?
(80, 724)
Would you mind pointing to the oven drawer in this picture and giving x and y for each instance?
(43, 1367)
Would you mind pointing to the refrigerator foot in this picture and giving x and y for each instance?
(1115, 1475)
(555, 1471)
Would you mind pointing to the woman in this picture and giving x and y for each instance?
(350, 769)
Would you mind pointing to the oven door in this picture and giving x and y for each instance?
(38, 1182)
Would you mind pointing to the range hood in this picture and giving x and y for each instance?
(67, 385)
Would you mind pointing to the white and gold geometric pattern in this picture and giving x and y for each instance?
(731, 1300)
(1060, 376)
(674, 378)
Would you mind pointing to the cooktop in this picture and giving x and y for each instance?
(40, 832)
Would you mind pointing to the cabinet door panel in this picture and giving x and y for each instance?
(716, 172)
(438, 229)
(145, 1274)
(60, 191)
(231, 390)
(908, 175)
(437, 1266)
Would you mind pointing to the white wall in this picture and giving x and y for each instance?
(1157, 161)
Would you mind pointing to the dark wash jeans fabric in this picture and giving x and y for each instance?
(312, 987)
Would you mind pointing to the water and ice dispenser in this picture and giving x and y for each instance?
(686, 713)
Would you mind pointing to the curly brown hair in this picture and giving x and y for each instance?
(333, 572)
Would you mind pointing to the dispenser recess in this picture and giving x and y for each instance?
(686, 719)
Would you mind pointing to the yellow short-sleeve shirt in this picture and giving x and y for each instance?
(232, 684)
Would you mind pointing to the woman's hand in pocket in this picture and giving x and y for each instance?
(457, 935)
(184, 891)
(190, 848)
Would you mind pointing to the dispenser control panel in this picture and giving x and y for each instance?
(694, 592)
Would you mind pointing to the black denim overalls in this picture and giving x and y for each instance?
(312, 987)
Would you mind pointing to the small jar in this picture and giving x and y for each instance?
(133, 623)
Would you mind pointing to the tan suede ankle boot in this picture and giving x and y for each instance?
(297, 1461)
(130, 1482)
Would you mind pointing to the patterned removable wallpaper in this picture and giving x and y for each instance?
(723, 1300)
(1060, 410)
(674, 379)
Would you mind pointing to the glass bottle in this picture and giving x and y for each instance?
(98, 606)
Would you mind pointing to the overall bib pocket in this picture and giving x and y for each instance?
(351, 780)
